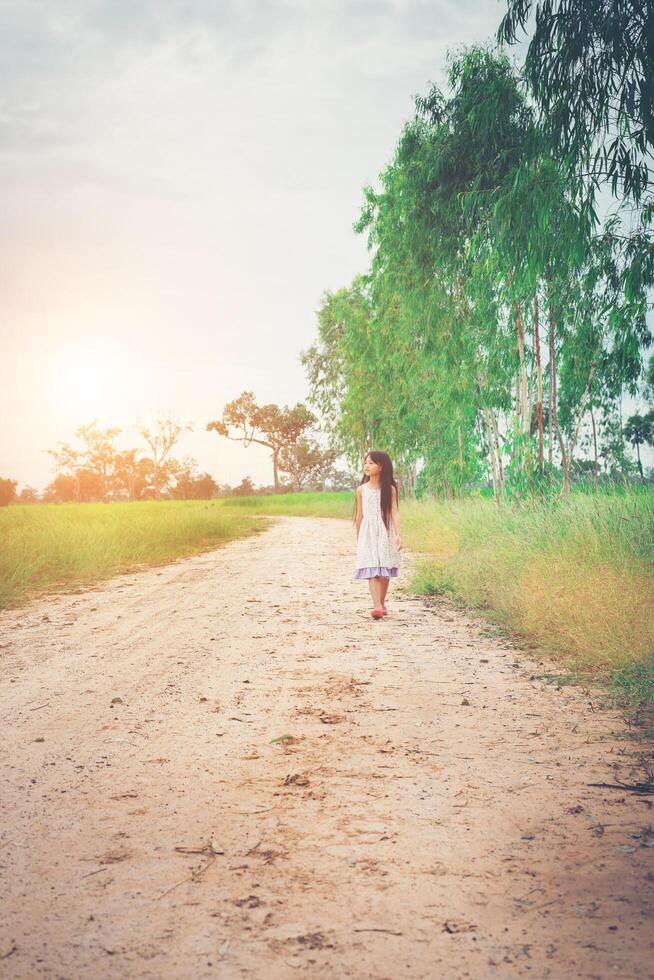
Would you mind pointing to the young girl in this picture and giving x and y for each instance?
(378, 528)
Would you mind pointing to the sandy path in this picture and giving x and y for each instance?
(400, 833)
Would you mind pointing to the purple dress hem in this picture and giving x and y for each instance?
(382, 571)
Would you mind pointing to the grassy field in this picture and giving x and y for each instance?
(574, 577)
(52, 547)
(298, 504)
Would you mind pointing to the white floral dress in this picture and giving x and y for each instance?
(377, 552)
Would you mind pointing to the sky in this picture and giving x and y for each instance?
(178, 184)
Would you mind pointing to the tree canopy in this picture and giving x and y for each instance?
(278, 429)
(500, 320)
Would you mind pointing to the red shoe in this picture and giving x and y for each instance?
(385, 610)
(377, 613)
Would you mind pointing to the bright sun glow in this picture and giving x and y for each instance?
(88, 378)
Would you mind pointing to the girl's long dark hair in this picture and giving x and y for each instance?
(387, 481)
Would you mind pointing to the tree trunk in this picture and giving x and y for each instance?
(275, 457)
(524, 398)
(414, 478)
(640, 465)
(565, 462)
(460, 456)
(552, 421)
(500, 466)
(595, 465)
(490, 432)
(155, 478)
(539, 389)
(407, 479)
(518, 405)
(567, 457)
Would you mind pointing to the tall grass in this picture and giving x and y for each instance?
(50, 547)
(573, 575)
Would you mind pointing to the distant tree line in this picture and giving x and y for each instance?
(502, 319)
(98, 471)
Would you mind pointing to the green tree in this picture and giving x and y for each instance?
(648, 381)
(498, 316)
(590, 65)
(639, 430)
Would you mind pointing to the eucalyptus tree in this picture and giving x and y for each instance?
(543, 245)
(639, 430)
(342, 389)
(412, 352)
(648, 380)
(423, 277)
(549, 262)
(590, 65)
(590, 69)
(324, 360)
(497, 313)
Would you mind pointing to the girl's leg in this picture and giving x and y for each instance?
(383, 589)
(373, 584)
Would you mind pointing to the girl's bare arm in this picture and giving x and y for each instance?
(395, 518)
(359, 513)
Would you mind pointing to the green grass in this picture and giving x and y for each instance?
(339, 504)
(53, 547)
(634, 687)
(574, 577)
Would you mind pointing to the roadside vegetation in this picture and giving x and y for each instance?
(573, 577)
(300, 504)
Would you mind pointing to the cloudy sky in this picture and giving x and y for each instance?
(179, 180)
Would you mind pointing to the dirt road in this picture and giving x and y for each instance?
(392, 799)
